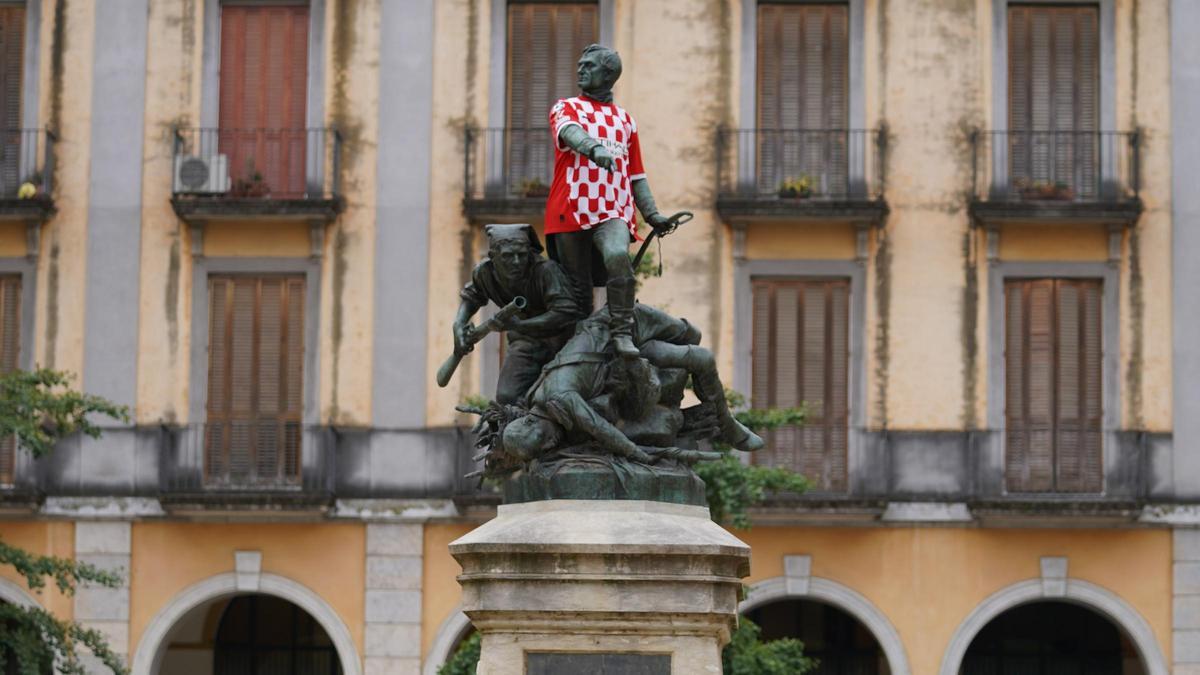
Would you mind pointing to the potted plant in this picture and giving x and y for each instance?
(796, 188)
(534, 188)
(253, 187)
(1044, 189)
(32, 188)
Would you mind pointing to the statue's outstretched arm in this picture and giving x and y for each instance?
(574, 137)
(645, 203)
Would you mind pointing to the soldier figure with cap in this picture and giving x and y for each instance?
(515, 267)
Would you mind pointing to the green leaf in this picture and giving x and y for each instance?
(38, 408)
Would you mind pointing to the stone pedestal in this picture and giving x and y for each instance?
(583, 586)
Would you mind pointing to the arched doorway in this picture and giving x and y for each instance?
(1051, 638)
(251, 634)
(841, 643)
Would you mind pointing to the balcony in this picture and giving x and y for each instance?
(248, 466)
(1055, 177)
(26, 157)
(257, 174)
(507, 174)
(788, 175)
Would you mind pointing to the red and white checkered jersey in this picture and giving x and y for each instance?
(584, 195)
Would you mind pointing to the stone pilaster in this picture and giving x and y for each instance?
(393, 599)
(1186, 606)
(106, 545)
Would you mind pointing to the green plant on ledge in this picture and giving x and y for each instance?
(534, 188)
(796, 188)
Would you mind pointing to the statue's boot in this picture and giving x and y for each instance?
(621, 292)
(710, 390)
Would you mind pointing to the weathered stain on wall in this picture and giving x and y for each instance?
(970, 331)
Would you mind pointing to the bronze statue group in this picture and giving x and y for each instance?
(606, 385)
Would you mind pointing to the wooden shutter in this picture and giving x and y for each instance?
(255, 379)
(10, 350)
(1054, 389)
(1053, 91)
(800, 355)
(803, 51)
(544, 43)
(12, 49)
(263, 98)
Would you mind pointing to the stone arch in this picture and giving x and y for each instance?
(13, 593)
(843, 597)
(1083, 593)
(151, 647)
(447, 637)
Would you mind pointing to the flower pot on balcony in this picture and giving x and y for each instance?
(796, 188)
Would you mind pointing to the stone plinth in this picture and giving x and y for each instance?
(560, 585)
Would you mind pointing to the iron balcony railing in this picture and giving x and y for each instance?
(258, 163)
(508, 163)
(242, 457)
(26, 156)
(799, 164)
(1056, 166)
(18, 469)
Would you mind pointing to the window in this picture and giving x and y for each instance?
(1053, 96)
(802, 106)
(263, 95)
(544, 43)
(12, 45)
(266, 635)
(255, 380)
(10, 349)
(799, 356)
(1054, 415)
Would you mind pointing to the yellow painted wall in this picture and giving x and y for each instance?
(53, 538)
(800, 241)
(257, 239)
(441, 593)
(327, 558)
(65, 106)
(925, 580)
(1053, 242)
(12, 240)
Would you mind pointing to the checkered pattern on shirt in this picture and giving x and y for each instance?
(594, 194)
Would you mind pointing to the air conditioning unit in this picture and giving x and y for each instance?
(201, 175)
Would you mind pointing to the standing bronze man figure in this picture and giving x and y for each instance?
(598, 179)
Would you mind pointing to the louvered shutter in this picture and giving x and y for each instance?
(1053, 90)
(255, 385)
(12, 46)
(263, 97)
(544, 43)
(10, 349)
(1053, 382)
(800, 356)
(803, 51)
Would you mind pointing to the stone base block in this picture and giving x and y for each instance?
(583, 586)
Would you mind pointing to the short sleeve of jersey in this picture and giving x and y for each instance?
(636, 172)
(561, 115)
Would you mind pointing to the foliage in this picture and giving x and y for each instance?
(796, 187)
(38, 408)
(465, 658)
(476, 401)
(747, 654)
(732, 486)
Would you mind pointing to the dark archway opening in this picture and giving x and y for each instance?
(840, 643)
(264, 635)
(1051, 638)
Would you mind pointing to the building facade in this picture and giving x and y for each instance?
(960, 232)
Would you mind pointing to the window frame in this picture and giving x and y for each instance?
(854, 270)
(1110, 331)
(748, 74)
(210, 72)
(202, 269)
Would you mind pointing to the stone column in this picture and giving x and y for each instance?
(1186, 601)
(393, 599)
(631, 586)
(107, 546)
